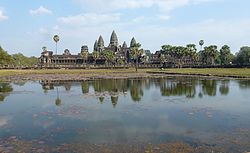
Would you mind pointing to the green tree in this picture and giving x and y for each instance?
(109, 56)
(243, 56)
(120, 61)
(192, 53)
(225, 55)
(85, 55)
(211, 53)
(21, 60)
(136, 52)
(5, 58)
(162, 58)
(167, 49)
(96, 55)
(179, 53)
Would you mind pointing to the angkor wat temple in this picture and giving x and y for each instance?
(120, 52)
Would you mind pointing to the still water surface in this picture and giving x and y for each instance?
(53, 116)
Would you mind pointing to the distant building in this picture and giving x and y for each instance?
(121, 52)
(47, 58)
(147, 55)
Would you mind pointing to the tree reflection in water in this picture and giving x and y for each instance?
(224, 87)
(190, 87)
(58, 101)
(114, 100)
(101, 99)
(244, 84)
(136, 90)
(173, 87)
(5, 89)
(85, 87)
(209, 87)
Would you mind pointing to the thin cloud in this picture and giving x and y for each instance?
(89, 19)
(114, 5)
(2, 16)
(40, 11)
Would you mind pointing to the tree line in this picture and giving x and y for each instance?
(207, 56)
(177, 56)
(16, 59)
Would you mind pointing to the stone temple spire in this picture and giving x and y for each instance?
(113, 40)
(100, 42)
(133, 42)
(96, 46)
(124, 45)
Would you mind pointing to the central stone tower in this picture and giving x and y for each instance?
(113, 40)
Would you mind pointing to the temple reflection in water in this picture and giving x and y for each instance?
(187, 87)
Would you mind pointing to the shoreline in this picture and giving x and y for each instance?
(83, 75)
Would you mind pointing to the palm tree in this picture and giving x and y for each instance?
(56, 39)
(179, 52)
(211, 53)
(96, 55)
(109, 56)
(136, 53)
(162, 58)
(225, 55)
(201, 43)
(84, 55)
(167, 49)
(191, 49)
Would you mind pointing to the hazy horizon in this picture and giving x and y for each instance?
(28, 26)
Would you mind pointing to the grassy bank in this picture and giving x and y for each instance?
(86, 72)
(221, 72)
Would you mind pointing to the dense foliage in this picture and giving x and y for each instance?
(21, 60)
(210, 55)
(5, 58)
(243, 56)
(16, 59)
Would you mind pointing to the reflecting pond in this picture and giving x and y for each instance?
(181, 114)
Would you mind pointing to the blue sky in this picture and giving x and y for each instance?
(27, 26)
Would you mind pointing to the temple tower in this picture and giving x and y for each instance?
(100, 44)
(113, 40)
(96, 46)
(124, 45)
(133, 42)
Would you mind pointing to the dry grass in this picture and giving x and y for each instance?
(240, 72)
(102, 72)
(69, 71)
